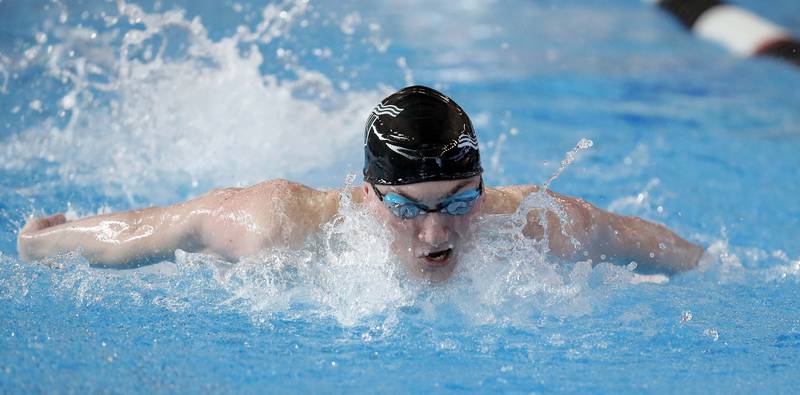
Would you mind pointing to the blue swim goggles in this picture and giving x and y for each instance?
(405, 208)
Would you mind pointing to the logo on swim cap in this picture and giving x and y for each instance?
(467, 140)
(418, 134)
(389, 110)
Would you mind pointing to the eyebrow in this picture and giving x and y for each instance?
(451, 192)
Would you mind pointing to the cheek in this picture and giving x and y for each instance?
(403, 230)
(462, 225)
(403, 238)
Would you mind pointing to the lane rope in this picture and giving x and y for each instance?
(740, 31)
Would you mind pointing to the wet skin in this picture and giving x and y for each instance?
(428, 244)
(235, 222)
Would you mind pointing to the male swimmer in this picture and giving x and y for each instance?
(422, 177)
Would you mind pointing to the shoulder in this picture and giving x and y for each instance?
(270, 192)
(240, 221)
(279, 187)
(287, 198)
(506, 199)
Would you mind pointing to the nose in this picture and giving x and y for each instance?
(434, 230)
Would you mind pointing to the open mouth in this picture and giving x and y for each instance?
(438, 258)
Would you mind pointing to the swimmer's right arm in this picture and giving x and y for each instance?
(131, 237)
(228, 223)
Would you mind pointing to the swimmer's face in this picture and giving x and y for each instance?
(428, 244)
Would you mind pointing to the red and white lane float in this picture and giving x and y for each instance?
(741, 31)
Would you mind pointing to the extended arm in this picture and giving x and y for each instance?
(229, 223)
(605, 236)
(652, 246)
(120, 238)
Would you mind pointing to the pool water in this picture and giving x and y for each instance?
(108, 106)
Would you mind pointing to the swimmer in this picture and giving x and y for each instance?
(422, 178)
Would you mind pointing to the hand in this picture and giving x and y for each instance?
(29, 230)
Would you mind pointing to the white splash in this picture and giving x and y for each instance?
(570, 157)
(141, 114)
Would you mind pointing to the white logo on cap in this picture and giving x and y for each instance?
(389, 110)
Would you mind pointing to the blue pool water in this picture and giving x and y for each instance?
(109, 106)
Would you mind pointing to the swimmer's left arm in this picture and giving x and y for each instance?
(590, 232)
(650, 245)
(605, 236)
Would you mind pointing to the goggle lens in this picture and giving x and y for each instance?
(459, 204)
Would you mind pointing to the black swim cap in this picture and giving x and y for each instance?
(416, 135)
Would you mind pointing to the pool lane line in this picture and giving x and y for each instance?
(739, 30)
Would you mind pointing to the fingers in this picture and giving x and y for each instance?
(56, 219)
(36, 224)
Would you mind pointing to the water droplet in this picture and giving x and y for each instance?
(632, 266)
(711, 333)
(686, 316)
(652, 255)
(68, 101)
(350, 22)
(662, 246)
(627, 161)
(448, 344)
